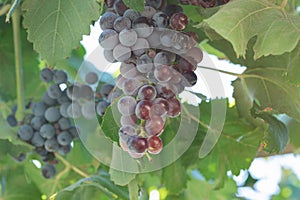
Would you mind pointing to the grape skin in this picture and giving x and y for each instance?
(37, 140)
(47, 131)
(108, 39)
(25, 132)
(107, 20)
(126, 105)
(52, 114)
(48, 171)
(64, 138)
(128, 37)
(91, 78)
(46, 75)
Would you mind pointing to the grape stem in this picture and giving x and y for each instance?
(283, 4)
(16, 23)
(221, 71)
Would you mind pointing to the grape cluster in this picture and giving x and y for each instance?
(204, 3)
(49, 127)
(158, 60)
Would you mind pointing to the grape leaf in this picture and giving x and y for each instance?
(137, 5)
(248, 18)
(79, 155)
(56, 27)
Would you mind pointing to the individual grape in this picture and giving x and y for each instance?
(174, 107)
(40, 151)
(54, 91)
(60, 76)
(37, 140)
(63, 109)
(64, 150)
(163, 73)
(172, 9)
(74, 131)
(88, 110)
(86, 92)
(194, 39)
(64, 138)
(63, 98)
(91, 78)
(176, 77)
(154, 3)
(121, 53)
(166, 38)
(155, 125)
(190, 79)
(47, 131)
(126, 105)
(130, 120)
(114, 95)
(148, 12)
(25, 132)
(122, 23)
(48, 157)
(51, 145)
(142, 26)
(108, 55)
(128, 70)
(106, 89)
(11, 120)
(140, 46)
(48, 171)
(128, 37)
(123, 144)
(144, 64)
(160, 107)
(162, 58)
(37, 122)
(155, 145)
(184, 65)
(126, 131)
(137, 144)
(142, 110)
(196, 54)
(64, 123)
(38, 109)
(74, 110)
(48, 100)
(46, 75)
(160, 20)
(109, 39)
(101, 107)
(181, 42)
(52, 114)
(120, 7)
(151, 77)
(178, 21)
(120, 81)
(136, 155)
(154, 38)
(107, 20)
(131, 86)
(131, 14)
(165, 91)
(147, 92)
(73, 92)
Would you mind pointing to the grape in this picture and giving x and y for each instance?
(107, 20)
(101, 107)
(41, 151)
(64, 138)
(131, 86)
(196, 54)
(91, 78)
(108, 55)
(174, 107)
(88, 110)
(140, 46)
(122, 23)
(126, 131)
(64, 150)
(142, 26)
(120, 7)
(181, 42)
(63, 98)
(106, 89)
(37, 140)
(20, 157)
(136, 155)
(154, 145)
(37, 122)
(54, 91)
(109, 39)
(176, 77)
(63, 109)
(172, 9)
(120, 81)
(165, 91)
(48, 100)
(128, 70)
(162, 58)
(46, 75)
(128, 37)
(161, 20)
(123, 144)
(137, 144)
(73, 92)
(142, 110)
(151, 77)
(25, 132)
(184, 65)
(74, 131)
(131, 14)
(51, 145)
(121, 53)
(154, 3)
(144, 64)
(166, 38)
(190, 79)
(148, 12)
(160, 107)
(64, 123)
(48, 171)
(86, 92)
(114, 95)
(155, 125)
(194, 39)
(11, 120)
(130, 120)
(38, 109)
(126, 105)
(60, 76)
(74, 110)
(52, 114)
(178, 21)
(147, 92)
(48, 157)
(47, 131)
(163, 73)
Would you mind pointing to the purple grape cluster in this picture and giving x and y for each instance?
(158, 60)
(204, 3)
(49, 127)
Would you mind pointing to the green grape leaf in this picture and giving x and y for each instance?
(56, 27)
(79, 155)
(241, 17)
(137, 5)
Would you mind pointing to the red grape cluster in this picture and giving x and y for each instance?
(204, 3)
(158, 60)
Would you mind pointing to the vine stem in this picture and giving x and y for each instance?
(283, 4)
(221, 71)
(16, 23)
